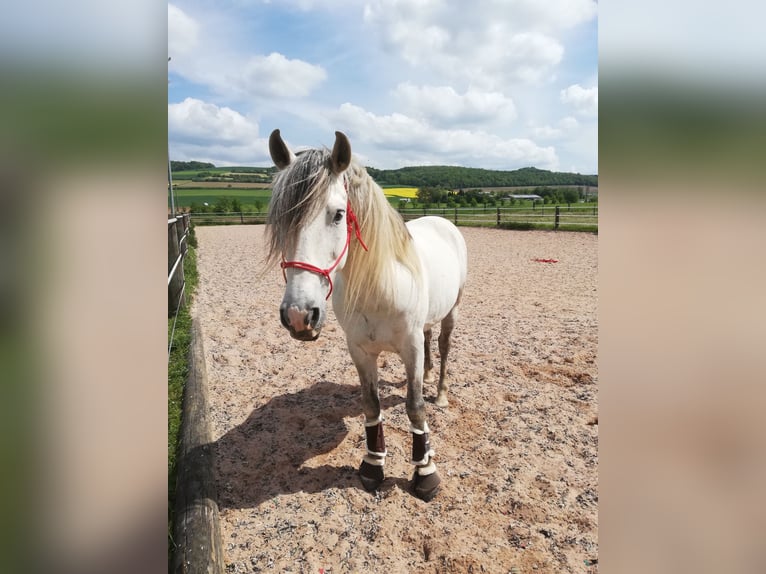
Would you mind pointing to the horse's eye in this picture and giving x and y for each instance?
(338, 216)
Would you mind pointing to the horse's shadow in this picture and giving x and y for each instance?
(264, 456)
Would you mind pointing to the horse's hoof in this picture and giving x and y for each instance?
(441, 401)
(426, 487)
(371, 476)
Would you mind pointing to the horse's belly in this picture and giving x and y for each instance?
(443, 291)
(442, 252)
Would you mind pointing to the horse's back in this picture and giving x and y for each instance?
(444, 257)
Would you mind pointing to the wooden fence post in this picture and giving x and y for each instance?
(556, 222)
(498, 217)
(172, 244)
(197, 528)
(176, 267)
(187, 224)
(180, 231)
(456, 216)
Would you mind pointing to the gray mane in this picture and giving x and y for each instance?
(299, 191)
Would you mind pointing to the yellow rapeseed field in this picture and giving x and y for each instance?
(408, 192)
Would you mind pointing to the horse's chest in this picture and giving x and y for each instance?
(374, 334)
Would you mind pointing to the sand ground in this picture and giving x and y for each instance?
(517, 448)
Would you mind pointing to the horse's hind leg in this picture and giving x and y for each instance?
(371, 469)
(425, 481)
(428, 374)
(448, 323)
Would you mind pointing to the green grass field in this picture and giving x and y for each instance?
(220, 171)
(185, 197)
(579, 218)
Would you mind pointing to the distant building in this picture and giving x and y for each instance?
(530, 197)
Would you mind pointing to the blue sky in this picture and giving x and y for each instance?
(497, 84)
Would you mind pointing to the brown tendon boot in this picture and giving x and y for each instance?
(425, 480)
(371, 469)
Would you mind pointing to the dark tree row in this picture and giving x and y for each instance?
(428, 196)
(189, 165)
(442, 177)
(452, 177)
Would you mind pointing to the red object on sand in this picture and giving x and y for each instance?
(546, 260)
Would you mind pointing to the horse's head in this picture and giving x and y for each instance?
(310, 228)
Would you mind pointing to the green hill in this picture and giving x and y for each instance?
(208, 172)
(439, 176)
(452, 177)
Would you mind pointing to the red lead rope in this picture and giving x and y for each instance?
(352, 226)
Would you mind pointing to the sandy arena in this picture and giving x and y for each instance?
(517, 449)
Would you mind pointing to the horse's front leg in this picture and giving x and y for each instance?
(371, 469)
(428, 375)
(425, 481)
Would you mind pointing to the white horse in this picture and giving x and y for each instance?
(336, 234)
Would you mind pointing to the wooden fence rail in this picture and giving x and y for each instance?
(540, 216)
(230, 218)
(178, 232)
(575, 216)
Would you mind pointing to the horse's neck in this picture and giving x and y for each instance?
(371, 277)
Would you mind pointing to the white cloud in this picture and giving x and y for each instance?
(531, 55)
(277, 76)
(553, 14)
(183, 32)
(193, 120)
(584, 100)
(233, 73)
(394, 129)
(547, 132)
(444, 105)
(492, 44)
(417, 142)
(569, 123)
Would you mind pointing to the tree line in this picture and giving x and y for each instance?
(434, 196)
(226, 204)
(453, 177)
(189, 165)
(437, 176)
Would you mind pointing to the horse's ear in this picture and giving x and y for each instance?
(280, 153)
(341, 153)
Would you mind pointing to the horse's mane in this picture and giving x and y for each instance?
(370, 275)
(300, 191)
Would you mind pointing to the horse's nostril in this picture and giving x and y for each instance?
(314, 317)
(283, 317)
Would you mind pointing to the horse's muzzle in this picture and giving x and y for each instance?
(303, 324)
(311, 335)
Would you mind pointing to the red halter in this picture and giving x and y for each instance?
(352, 225)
